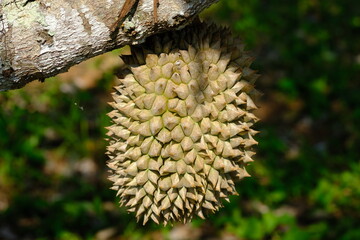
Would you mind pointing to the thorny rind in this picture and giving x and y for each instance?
(182, 124)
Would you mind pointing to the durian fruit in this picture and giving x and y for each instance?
(182, 124)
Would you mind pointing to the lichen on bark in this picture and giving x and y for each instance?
(41, 38)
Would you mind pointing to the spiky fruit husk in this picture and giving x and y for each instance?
(182, 124)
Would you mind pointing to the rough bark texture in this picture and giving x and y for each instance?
(41, 38)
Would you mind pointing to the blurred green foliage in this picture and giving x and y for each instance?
(306, 177)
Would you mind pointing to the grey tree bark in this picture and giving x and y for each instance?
(41, 38)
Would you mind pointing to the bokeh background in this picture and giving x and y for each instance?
(306, 178)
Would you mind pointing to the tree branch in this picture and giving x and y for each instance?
(41, 38)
